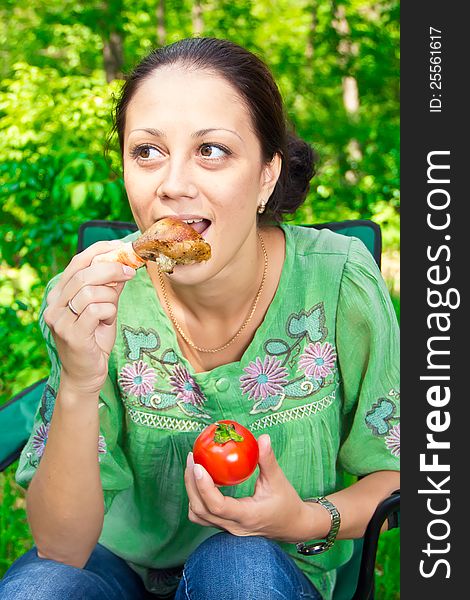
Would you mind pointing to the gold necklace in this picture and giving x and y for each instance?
(245, 323)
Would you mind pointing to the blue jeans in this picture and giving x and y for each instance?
(224, 567)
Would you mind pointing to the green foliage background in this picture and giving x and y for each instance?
(56, 95)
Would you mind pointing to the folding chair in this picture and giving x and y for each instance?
(356, 578)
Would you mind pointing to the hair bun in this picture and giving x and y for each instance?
(301, 165)
(294, 182)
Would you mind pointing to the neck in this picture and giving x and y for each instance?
(231, 292)
(215, 324)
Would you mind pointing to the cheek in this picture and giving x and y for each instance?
(138, 188)
(131, 181)
(139, 197)
(238, 194)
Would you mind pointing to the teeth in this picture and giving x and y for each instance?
(190, 221)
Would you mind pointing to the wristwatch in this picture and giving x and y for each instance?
(323, 546)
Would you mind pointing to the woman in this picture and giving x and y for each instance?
(288, 330)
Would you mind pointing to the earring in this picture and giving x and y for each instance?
(261, 208)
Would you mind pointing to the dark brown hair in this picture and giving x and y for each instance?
(252, 79)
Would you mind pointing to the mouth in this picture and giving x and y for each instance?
(199, 224)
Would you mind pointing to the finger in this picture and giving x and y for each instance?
(93, 294)
(197, 510)
(60, 318)
(197, 507)
(195, 500)
(78, 262)
(194, 518)
(223, 508)
(100, 274)
(61, 321)
(119, 287)
(94, 314)
(268, 466)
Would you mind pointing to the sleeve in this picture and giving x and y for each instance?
(369, 358)
(115, 471)
(34, 448)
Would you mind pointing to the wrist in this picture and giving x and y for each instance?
(328, 540)
(71, 393)
(317, 521)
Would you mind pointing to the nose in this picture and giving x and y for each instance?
(177, 180)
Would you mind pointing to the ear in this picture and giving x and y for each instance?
(270, 175)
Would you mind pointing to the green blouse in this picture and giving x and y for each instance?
(321, 376)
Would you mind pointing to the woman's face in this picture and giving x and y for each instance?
(190, 152)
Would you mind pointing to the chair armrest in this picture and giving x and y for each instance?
(388, 509)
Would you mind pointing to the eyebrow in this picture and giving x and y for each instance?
(203, 132)
(196, 134)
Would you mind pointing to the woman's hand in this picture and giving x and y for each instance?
(84, 340)
(274, 511)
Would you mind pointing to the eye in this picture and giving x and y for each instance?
(145, 152)
(214, 151)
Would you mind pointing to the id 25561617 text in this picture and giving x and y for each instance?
(435, 70)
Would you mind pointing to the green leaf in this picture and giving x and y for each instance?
(225, 432)
(114, 191)
(96, 189)
(78, 195)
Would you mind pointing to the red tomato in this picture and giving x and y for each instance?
(228, 451)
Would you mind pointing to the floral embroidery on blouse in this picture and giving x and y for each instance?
(144, 385)
(264, 378)
(41, 433)
(318, 360)
(47, 404)
(392, 441)
(379, 416)
(310, 324)
(379, 419)
(40, 439)
(266, 381)
(101, 446)
(140, 342)
(185, 387)
(137, 378)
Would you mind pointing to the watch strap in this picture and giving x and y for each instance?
(327, 543)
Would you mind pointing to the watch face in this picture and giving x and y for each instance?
(312, 549)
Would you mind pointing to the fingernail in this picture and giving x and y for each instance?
(128, 270)
(190, 460)
(198, 472)
(265, 440)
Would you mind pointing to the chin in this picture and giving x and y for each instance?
(192, 274)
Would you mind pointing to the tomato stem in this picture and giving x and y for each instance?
(225, 432)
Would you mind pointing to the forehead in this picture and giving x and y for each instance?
(182, 96)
